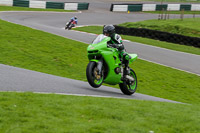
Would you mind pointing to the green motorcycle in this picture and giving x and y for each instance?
(106, 66)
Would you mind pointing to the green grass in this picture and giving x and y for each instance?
(15, 8)
(42, 113)
(188, 27)
(172, 12)
(172, 46)
(40, 51)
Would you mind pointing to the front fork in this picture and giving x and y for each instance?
(99, 66)
(125, 75)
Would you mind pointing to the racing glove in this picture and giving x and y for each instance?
(118, 46)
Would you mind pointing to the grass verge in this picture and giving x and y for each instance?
(188, 27)
(172, 46)
(14, 8)
(40, 51)
(36, 113)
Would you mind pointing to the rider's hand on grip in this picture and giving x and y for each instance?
(115, 46)
(109, 45)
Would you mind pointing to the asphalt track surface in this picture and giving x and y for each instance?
(17, 79)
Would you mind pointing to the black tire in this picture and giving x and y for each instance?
(127, 89)
(91, 77)
(70, 26)
(67, 25)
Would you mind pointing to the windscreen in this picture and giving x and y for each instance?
(99, 39)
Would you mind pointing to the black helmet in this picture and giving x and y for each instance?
(75, 17)
(109, 29)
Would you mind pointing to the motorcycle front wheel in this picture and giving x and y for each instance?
(129, 87)
(93, 78)
(70, 27)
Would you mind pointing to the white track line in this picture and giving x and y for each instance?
(85, 95)
(169, 66)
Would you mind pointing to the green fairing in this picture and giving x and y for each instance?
(112, 77)
(133, 58)
(111, 58)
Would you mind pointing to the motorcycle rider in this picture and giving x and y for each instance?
(73, 19)
(116, 42)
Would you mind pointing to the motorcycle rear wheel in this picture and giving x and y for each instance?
(91, 72)
(128, 88)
